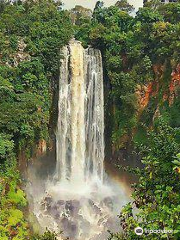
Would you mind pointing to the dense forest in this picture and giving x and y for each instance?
(141, 57)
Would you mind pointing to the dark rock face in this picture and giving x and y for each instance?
(84, 218)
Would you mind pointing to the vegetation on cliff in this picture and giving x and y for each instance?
(141, 63)
(31, 36)
(140, 56)
(156, 198)
(141, 59)
(12, 221)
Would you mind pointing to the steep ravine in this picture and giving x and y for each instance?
(72, 191)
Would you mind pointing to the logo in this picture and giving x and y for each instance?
(138, 231)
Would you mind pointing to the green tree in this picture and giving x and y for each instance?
(125, 6)
(32, 34)
(80, 14)
(156, 195)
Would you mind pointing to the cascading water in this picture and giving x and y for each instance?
(80, 200)
(80, 130)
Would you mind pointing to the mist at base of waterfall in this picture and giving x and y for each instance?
(86, 206)
(82, 212)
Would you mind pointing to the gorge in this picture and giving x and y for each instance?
(83, 120)
(80, 199)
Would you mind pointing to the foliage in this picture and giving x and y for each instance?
(124, 6)
(171, 113)
(133, 50)
(6, 146)
(32, 34)
(136, 51)
(141, 52)
(156, 197)
(80, 14)
(12, 200)
(46, 236)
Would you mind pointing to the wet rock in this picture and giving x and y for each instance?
(108, 202)
(72, 207)
(69, 227)
(61, 203)
(53, 210)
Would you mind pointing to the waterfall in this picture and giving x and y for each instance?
(80, 128)
(79, 199)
